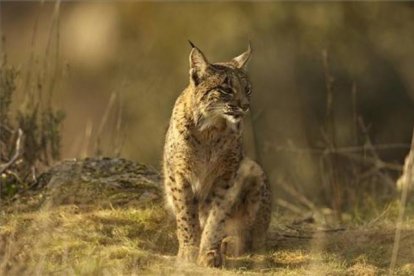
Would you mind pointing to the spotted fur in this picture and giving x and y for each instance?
(220, 198)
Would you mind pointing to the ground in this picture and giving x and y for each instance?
(110, 220)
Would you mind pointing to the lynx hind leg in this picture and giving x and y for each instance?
(247, 227)
(260, 227)
(237, 239)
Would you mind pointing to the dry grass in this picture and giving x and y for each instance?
(70, 239)
(96, 240)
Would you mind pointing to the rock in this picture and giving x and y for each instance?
(97, 182)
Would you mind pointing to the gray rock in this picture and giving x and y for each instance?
(99, 182)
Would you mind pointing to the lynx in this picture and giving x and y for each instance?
(220, 198)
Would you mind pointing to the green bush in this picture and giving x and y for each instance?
(29, 134)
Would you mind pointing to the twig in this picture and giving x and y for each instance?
(289, 206)
(34, 174)
(300, 197)
(16, 176)
(350, 149)
(107, 112)
(322, 230)
(330, 230)
(308, 219)
(354, 112)
(17, 152)
(54, 27)
(329, 81)
(330, 128)
(408, 182)
(119, 137)
(296, 236)
(5, 128)
(380, 216)
(84, 151)
(379, 164)
(350, 152)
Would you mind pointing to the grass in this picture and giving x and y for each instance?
(70, 239)
(94, 239)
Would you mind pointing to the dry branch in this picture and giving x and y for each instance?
(350, 153)
(406, 178)
(405, 182)
(17, 152)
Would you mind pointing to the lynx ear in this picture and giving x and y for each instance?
(242, 60)
(198, 64)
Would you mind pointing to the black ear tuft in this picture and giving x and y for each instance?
(192, 44)
(242, 60)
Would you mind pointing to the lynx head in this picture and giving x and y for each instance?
(220, 90)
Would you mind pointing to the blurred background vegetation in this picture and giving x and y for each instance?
(333, 87)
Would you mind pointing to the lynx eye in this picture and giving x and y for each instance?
(225, 90)
(248, 91)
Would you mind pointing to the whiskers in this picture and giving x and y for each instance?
(234, 110)
(215, 110)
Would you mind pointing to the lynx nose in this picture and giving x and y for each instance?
(245, 107)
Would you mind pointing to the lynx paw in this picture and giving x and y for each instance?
(188, 254)
(211, 258)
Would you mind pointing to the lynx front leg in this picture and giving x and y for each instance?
(221, 200)
(213, 233)
(186, 214)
